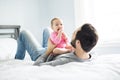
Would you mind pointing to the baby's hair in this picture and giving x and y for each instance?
(53, 20)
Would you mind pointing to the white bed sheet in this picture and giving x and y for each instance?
(103, 67)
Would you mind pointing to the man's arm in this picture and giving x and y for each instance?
(56, 62)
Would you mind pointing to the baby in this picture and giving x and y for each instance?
(59, 41)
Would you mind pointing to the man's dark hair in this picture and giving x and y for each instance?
(87, 37)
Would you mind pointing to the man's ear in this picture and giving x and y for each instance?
(77, 43)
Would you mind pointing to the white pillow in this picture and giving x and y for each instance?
(108, 47)
(8, 48)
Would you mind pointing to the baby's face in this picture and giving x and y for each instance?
(57, 25)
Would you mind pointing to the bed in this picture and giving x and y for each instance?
(106, 66)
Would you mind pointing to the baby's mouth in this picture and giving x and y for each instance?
(58, 29)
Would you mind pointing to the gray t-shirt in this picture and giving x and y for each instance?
(63, 59)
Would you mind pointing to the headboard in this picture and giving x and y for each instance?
(10, 30)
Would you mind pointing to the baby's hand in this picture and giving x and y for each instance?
(70, 48)
(60, 31)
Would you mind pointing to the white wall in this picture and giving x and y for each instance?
(30, 14)
(36, 14)
(65, 10)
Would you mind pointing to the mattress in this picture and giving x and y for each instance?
(106, 66)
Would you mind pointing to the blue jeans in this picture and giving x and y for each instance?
(27, 42)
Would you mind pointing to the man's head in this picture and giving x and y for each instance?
(86, 36)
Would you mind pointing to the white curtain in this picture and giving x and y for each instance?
(103, 14)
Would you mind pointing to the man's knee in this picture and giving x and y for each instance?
(23, 32)
(47, 30)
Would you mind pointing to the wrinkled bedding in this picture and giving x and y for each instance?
(105, 67)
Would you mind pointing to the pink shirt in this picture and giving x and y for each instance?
(60, 42)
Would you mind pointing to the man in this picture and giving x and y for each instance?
(83, 40)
